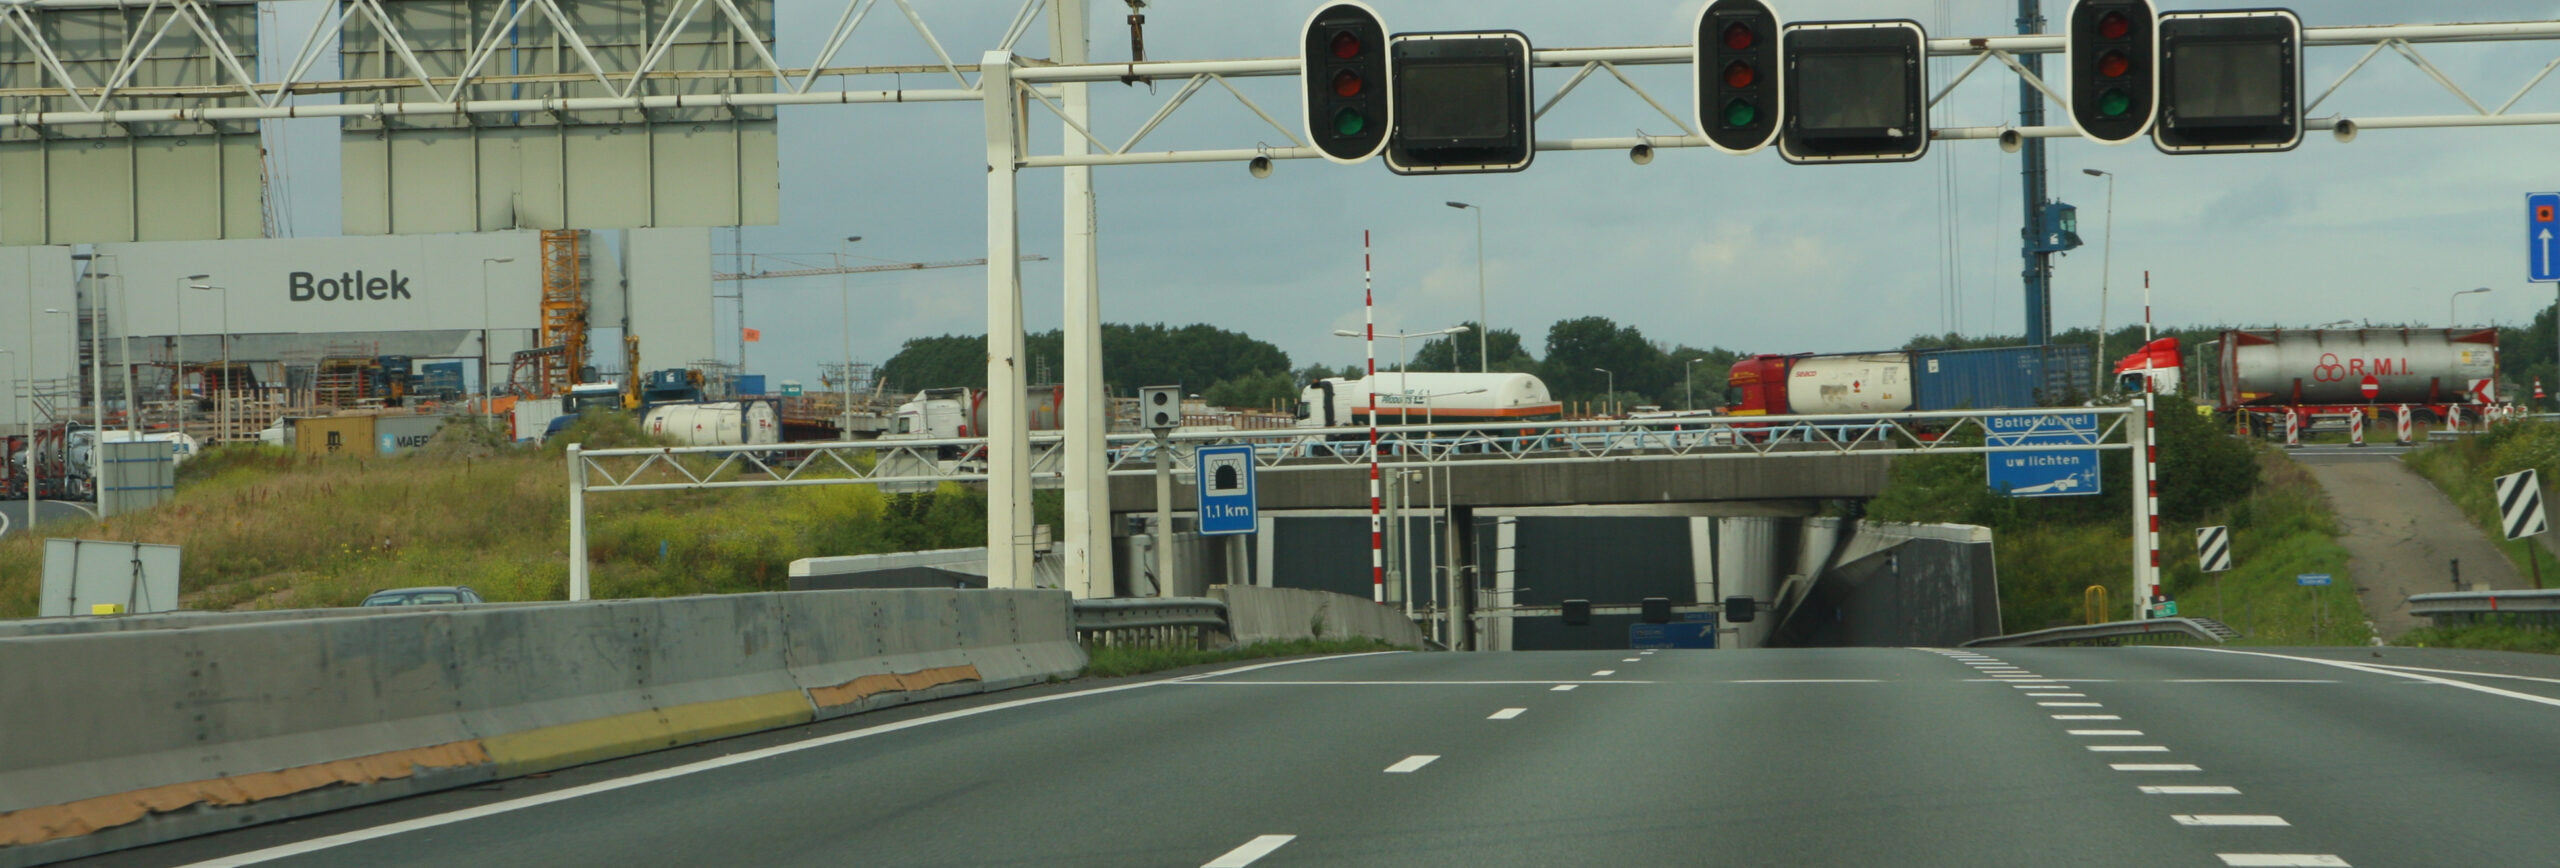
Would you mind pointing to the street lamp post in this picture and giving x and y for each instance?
(1612, 393)
(2449, 319)
(486, 391)
(1688, 379)
(1484, 359)
(844, 377)
(2106, 269)
(178, 346)
(222, 405)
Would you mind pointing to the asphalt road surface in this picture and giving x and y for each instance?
(2036, 756)
(2401, 535)
(13, 513)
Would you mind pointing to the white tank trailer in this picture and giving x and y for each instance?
(2317, 367)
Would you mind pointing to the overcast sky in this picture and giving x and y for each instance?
(1699, 248)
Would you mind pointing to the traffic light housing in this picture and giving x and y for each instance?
(1577, 613)
(2230, 82)
(1462, 103)
(1739, 78)
(1343, 66)
(2114, 57)
(1160, 408)
(1856, 92)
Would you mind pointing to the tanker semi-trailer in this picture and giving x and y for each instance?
(2277, 368)
(716, 423)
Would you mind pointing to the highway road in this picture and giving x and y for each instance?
(13, 513)
(2043, 756)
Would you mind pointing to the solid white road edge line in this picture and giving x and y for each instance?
(495, 808)
(2373, 670)
(1257, 848)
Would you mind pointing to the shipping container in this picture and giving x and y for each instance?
(333, 435)
(750, 385)
(2000, 377)
(393, 435)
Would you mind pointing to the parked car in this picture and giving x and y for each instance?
(431, 596)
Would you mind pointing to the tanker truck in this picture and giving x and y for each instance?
(2315, 372)
(716, 423)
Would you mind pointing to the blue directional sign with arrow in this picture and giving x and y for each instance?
(2541, 225)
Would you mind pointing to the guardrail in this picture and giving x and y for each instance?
(1160, 621)
(2457, 608)
(2117, 633)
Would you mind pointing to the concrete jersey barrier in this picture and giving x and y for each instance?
(118, 739)
(1258, 614)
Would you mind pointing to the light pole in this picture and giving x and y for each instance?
(1688, 378)
(844, 293)
(178, 346)
(2106, 269)
(222, 405)
(1612, 393)
(2449, 319)
(486, 391)
(1403, 349)
(1484, 360)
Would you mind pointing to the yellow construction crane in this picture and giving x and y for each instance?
(860, 269)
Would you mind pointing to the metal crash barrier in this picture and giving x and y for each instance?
(2154, 631)
(1158, 622)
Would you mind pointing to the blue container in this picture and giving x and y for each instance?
(750, 385)
(1999, 378)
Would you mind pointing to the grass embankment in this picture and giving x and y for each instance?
(2049, 551)
(1115, 661)
(2486, 637)
(265, 528)
(2465, 469)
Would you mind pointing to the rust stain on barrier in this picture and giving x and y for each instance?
(45, 823)
(873, 685)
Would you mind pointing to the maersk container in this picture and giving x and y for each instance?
(2000, 377)
(716, 423)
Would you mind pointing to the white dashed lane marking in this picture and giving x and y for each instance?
(2059, 695)
(2282, 860)
(1561, 687)
(1409, 764)
(2229, 820)
(1507, 714)
(2192, 791)
(2087, 717)
(1604, 673)
(2129, 748)
(1632, 660)
(2156, 767)
(2105, 732)
(1252, 850)
(2070, 705)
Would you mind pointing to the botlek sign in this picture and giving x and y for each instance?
(2043, 472)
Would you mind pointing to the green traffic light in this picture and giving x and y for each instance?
(1349, 122)
(2114, 103)
(1740, 113)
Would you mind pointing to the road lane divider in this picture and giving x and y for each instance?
(2201, 790)
(2282, 860)
(2229, 820)
(2156, 767)
(1251, 851)
(1507, 714)
(2128, 748)
(1412, 764)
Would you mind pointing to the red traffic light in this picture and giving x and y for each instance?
(1347, 45)
(1739, 37)
(1740, 75)
(1347, 83)
(2114, 26)
(2114, 64)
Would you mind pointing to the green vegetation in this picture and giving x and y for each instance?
(1113, 661)
(2464, 470)
(265, 528)
(2495, 636)
(2048, 551)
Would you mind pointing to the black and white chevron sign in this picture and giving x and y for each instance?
(2213, 548)
(2520, 504)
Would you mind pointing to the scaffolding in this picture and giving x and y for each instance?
(564, 311)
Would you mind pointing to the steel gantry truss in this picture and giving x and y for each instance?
(917, 464)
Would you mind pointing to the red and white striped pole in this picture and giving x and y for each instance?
(2404, 424)
(2355, 427)
(2146, 510)
(2292, 428)
(1377, 527)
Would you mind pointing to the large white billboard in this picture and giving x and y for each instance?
(311, 285)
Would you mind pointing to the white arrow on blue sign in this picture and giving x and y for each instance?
(2541, 225)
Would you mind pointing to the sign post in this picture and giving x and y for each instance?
(2313, 580)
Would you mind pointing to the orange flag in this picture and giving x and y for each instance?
(753, 335)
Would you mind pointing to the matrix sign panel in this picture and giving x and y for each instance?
(1462, 103)
(1855, 92)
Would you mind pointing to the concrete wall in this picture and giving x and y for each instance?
(117, 739)
(1281, 614)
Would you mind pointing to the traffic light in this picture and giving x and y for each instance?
(1462, 103)
(1160, 408)
(2229, 82)
(1736, 62)
(2115, 65)
(1577, 613)
(1342, 61)
(1740, 610)
(1855, 92)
